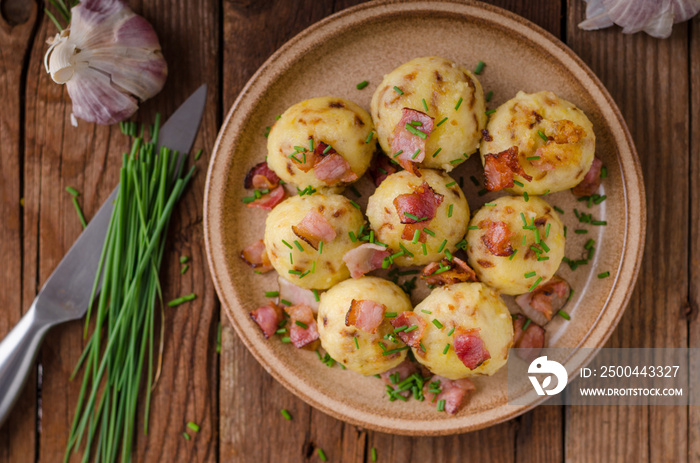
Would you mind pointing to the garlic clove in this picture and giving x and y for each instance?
(107, 50)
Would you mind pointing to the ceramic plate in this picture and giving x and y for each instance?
(364, 43)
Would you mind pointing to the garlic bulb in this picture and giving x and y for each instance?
(110, 60)
(655, 17)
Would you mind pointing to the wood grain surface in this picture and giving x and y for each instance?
(656, 83)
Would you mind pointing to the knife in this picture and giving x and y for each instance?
(66, 294)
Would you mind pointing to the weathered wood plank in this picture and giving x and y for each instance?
(648, 78)
(17, 436)
(694, 211)
(88, 158)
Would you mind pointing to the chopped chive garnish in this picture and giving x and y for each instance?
(442, 246)
(425, 105)
(357, 345)
(526, 324)
(369, 137)
(272, 293)
(451, 184)
(426, 311)
(182, 300)
(437, 323)
(390, 314)
(422, 347)
(456, 161)
(479, 67)
(474, 180)
(449, 211)
(316, 295)
(281, 331)
(184, 269)
(398, 90)
(413, 156)
(490, 204)
(580, 232)
(603, 172)
(291, 259)
(198, 155)
(441, 405)
(603, 275)
(512, 255)
(546, 230)
(321, 454)
(441, 122)
(482, 192)
(298, 245)
(72, 191)
(429, 232)
(449, 333)
(522, 216)
(543, 258)
(193, 426)
(287, 244)
(327, 149)
(406, 251)
(490, 111)
(186, 436)
(295, 272)
(395, 351)
(558, 209)
(544, 246)
(285, 413)
(411, 328)
(362, 85)
(416, 236)
(184, 259)
(532, 158)
(397, 153)
(286, 340)
(311, 143)
(459, 103)
(599, 222)
(448, 254)
(537, 236)
(564, 231)
(489, 95)
(520, 184)
(447, 347)
(542, 135)
(355, 205)
(352, 236)
(534, 285)
(415, 217)
(564, 315)
(285, 302)
(530, 274)
(472, 227)
(79, 211)
(425, 249)
(374, 454)
(524, 240)
(526, 196)
(437, 151)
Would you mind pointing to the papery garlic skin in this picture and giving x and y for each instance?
(109, 59)
(655, 17)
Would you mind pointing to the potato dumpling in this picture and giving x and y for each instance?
(311, 259)
(447, 92)
(496, 249)
(338, 338)
(469, 317)
(558, 163)
(324, 142)
(443, 203)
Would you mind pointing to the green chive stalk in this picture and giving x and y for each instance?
(119, 356)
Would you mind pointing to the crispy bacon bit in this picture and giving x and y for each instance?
(458, 272)
(365, 258)
(487, 135)
(545, 301)
(407, 142)
(314, 228)
(256, 256)
(410, 230)
(497, 239)
(413, 337)
(262, 177)
(501, 168)
(470, 348)
(404, 370)
(296, 295)
(591, 181)
(331, 167)
(530, 342)
(269, 200)
(268, 318)
(380, 168)
(565, 132)
(299, 335)
(452, 392)
(422, 203)
(365, 315)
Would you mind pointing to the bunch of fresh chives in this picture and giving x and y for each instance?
(122, 344)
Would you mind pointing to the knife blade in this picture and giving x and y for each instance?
(66, 293)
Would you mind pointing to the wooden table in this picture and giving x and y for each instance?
(656, 83)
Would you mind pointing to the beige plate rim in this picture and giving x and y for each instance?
(633, 191)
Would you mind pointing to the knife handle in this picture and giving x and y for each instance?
(17, 353)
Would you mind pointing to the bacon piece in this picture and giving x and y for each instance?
(458, 272)
(314, 228)
(365, 258)
(545, 301)
(331, 167)
(591, 181)
(422, 203)
(380, 168)
(408, 143)
(261, 176)
(497, 239)
(410, 230)
(296, 295)
(268, 318)
(470, 348)
(256, 256)
(299, 335)
(530, 342)
(269, 200)
(500, 169)
(452, 392)
(413, 337)
(365, 314)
